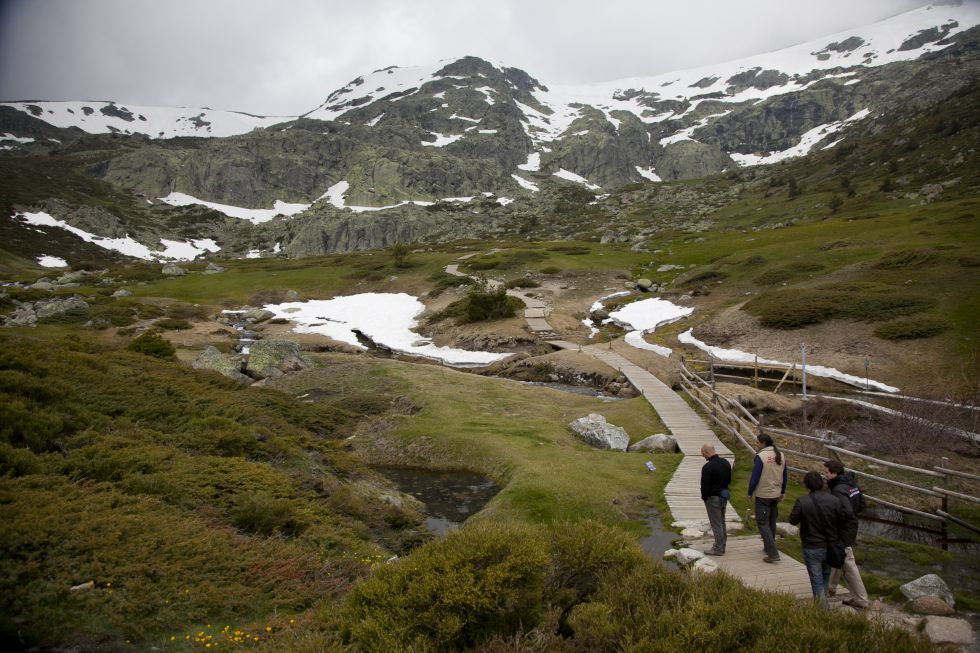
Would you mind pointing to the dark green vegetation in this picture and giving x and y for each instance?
(579, 587)
(186, 499)
(480, 304)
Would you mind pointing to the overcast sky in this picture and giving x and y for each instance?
(284, 57)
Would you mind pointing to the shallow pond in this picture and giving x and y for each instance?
(574, 389)
(450, 498)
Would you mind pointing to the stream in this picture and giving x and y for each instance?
(450, 497)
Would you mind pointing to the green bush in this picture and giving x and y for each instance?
(798, 307)
(580, 587)
(522, 282)
(485, 580)
(551, 269)
(152, 344)
(264, 514)
(570, 250)
(923, 327)
(485, 304)
(15, 461)
(481, 304)
(172, 324)
(909, 258)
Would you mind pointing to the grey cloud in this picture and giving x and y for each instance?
(285, 57)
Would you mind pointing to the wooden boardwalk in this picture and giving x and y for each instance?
(743, 555)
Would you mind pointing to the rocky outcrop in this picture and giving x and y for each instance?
(29, 313)
(595, 431)
(274, 358)
(230, 365)
(172, 270)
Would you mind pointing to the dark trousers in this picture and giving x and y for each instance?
(766, 512)
(716, 516)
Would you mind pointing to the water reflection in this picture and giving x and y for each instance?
(450, 498)
(659, 539)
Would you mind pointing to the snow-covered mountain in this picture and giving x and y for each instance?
(104, 117)
(398, 155)
(842, 56)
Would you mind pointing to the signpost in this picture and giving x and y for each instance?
(867, 381)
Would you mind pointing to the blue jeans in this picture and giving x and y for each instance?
(819, 572)
(766, 511)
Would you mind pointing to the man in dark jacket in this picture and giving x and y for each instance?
(843, 484)
(822, 518)
(715, 477)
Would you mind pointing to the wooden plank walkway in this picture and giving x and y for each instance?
(743, 555)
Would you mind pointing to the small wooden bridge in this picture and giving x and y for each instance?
(743, 555)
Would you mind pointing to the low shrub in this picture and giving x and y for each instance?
(551, 269)
(923, 327)
(484, 580)
(264, 514)
(172, 324)
(798, 307)
(481, 304)
(579, 587)
(909, 258)
(570, 250)
(152, 344)
(701, 276)
(522, 282)
(187, 311)
(442, 281)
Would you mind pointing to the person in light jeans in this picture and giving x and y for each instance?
(843, 484)
(822, 519)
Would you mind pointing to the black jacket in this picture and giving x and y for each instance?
(823, 518)
(715, 476)
(841, 487)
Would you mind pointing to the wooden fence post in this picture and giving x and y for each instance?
(945, 504)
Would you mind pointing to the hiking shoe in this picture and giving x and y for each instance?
(771, 559)
(832, 592)
(854, 603)
(712, 552)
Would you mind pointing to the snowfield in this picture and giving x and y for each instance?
(172, 249)
(386, 318)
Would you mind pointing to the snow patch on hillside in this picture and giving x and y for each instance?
(156, 122)
(734, 355)
(388, 319)
(51, 262)
(578, 179)
(644, 317)
(173, 250)
(255, 216)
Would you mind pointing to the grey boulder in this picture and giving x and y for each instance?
(228, 364)
(928, 585)
(595, 431)
(272, 358)
(656, 442)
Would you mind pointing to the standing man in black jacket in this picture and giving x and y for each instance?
(715, 477)
(823, 519)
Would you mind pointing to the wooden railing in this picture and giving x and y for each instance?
(931, 496)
